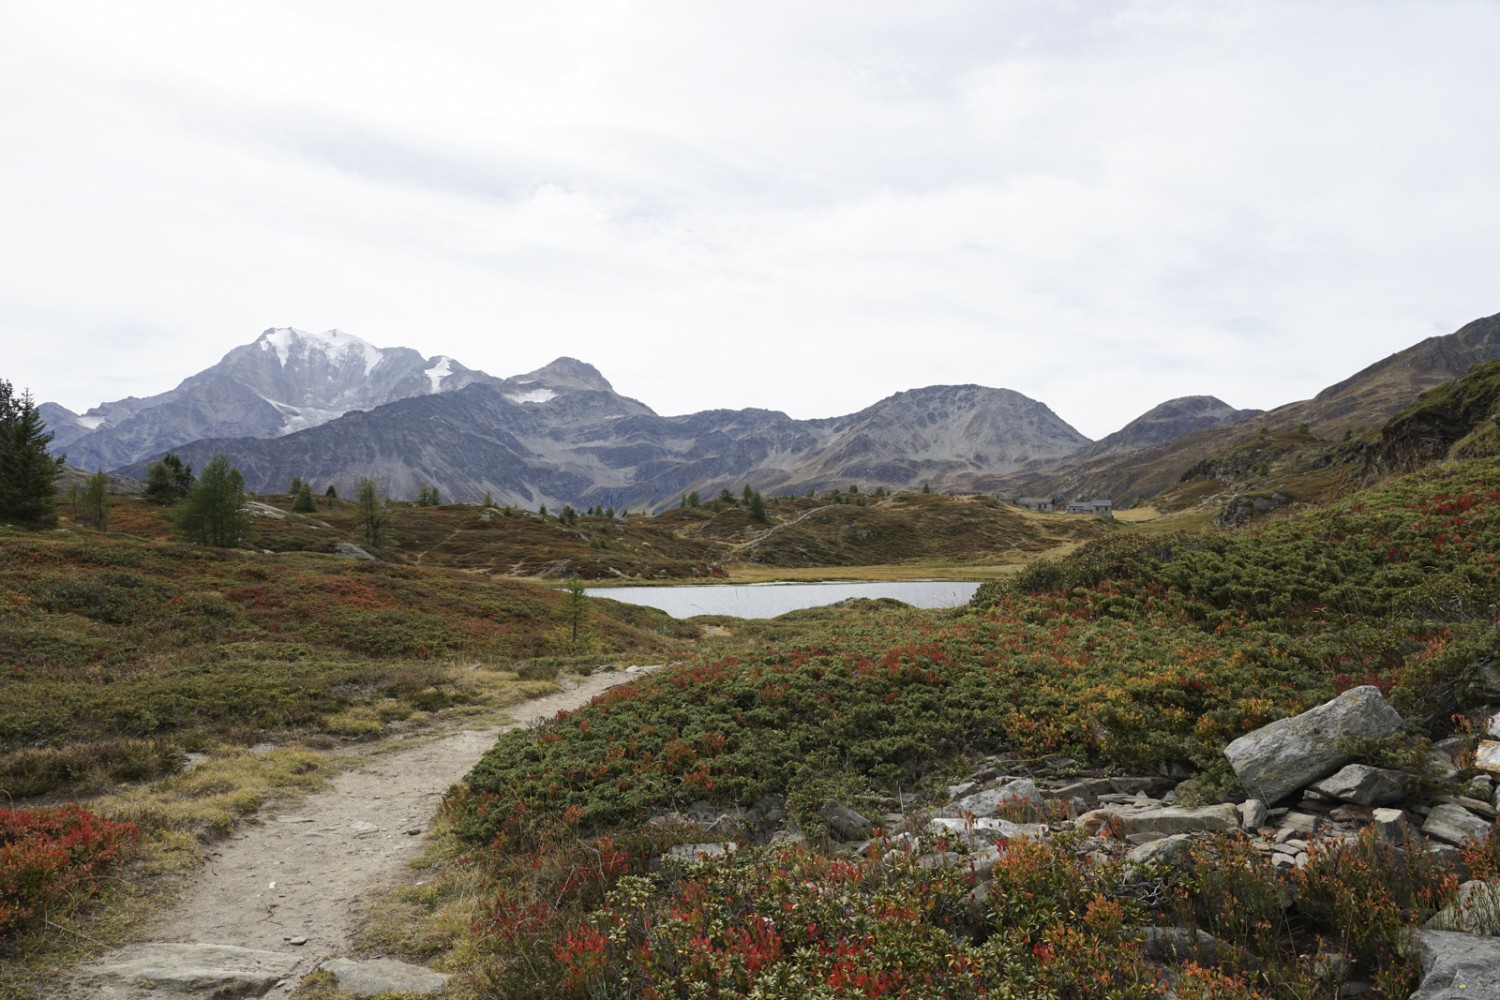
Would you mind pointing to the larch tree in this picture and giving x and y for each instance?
(214, 512)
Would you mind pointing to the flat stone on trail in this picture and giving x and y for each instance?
(383, 975)
(1287, 755)
(216, 970)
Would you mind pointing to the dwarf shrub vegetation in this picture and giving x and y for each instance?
(1133, 652)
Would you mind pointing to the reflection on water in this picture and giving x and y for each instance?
(767, 600)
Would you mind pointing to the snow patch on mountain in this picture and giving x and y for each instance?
(439, 371)
(92, 423)
(331, 343)
(533, 396)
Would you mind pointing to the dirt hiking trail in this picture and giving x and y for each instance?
(285, 893)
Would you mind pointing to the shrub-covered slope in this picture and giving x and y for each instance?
(1134, 650)
(119, 651)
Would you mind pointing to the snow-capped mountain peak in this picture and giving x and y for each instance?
(289, 343)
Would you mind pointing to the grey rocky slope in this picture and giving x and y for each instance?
(561, 435)
(284, 381)
(1162, 423)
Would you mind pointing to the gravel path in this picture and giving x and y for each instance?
(285, 894)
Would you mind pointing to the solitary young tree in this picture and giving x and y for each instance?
(214, 512)
(168, 480)
(757, 508)
(93, 502)
(28, 475)
(375, 511)
(575, 609)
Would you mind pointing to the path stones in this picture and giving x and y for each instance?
(223, 972)
(1286, 756)
(383, 975)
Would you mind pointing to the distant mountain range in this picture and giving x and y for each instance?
(331, 408)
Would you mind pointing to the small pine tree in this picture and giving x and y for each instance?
(693, 499)
(296, 486)
(168, 480)
(609, 512)
(214, 512)
(93, 503)
(569, 516)
(332, 492)
(542, 510)
(757, 508)
(302, 500)
(28, 475)
(489, 501)
(745, 494)
(926, 487)
(726, 497)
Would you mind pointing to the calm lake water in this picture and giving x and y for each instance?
(767, 600)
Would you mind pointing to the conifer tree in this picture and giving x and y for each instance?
(168, 480)
(302, 501)
(28, 475)
(757, 508)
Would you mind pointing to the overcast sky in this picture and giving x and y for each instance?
(793, 205)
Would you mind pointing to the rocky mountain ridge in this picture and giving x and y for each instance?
(284, 381)
(558, 443)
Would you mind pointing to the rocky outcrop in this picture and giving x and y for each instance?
(1290, 754)
(284, 381)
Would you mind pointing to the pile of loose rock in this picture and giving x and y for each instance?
(1303, 786)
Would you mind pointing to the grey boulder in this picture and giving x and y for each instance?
(1287, 755)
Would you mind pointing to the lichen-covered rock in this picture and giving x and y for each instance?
(1281, 758)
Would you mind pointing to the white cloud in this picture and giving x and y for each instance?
(803, 207)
